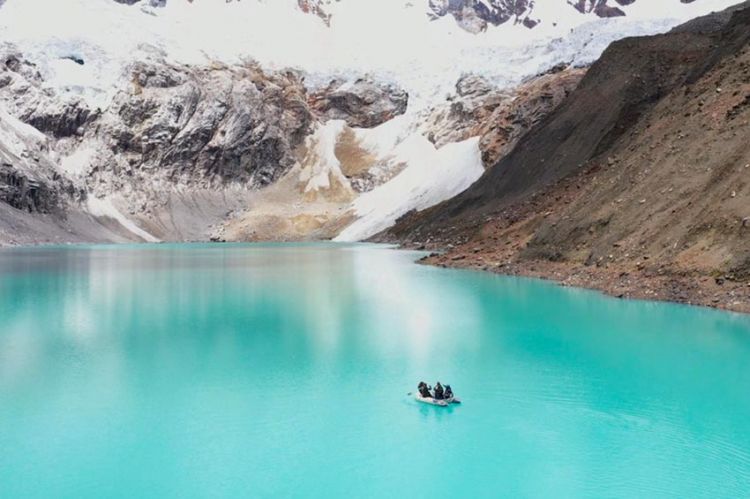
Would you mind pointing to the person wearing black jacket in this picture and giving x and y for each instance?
(438, 391)
(448, 392)
(424, 390)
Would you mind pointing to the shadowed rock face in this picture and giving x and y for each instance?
(169, 127)
(494, 12)
(362, 104)
(26, 191)
(29, 181)
(475, 15)
(215, 125)
(22, 84)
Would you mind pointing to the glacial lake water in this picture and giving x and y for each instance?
(283, 371)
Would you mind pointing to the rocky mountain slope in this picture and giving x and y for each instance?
(178, 147)
(639, 183)
(132, 128)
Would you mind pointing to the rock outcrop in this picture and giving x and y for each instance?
(499, 117)
(363, 103)
(29, 181)
(206, 125)
(600, 7)
(198, 125)
(152, 3)
(177, 149)
(316, 7)
(476, 15)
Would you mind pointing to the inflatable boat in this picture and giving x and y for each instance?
(432, 401)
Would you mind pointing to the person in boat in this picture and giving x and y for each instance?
(439, 395)
(424, 390)
(448, 392)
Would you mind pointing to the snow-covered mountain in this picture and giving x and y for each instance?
(290, 115)
(476, 15)
(395, 39)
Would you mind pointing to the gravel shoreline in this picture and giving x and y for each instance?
(616, 280)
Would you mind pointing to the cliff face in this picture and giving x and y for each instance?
(177, 149)
(644, 170)
(28, 179)
(499, 117)
(211, 125)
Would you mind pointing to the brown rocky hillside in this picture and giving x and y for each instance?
(638, 184)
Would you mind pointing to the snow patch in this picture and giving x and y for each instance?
(432, 176)
(103, 207)
(77, 164)
(17, 136)
(322, 165)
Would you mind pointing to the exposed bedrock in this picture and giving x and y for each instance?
(29, 181)
(363, 103)
(168, 127)
(37, 203)
(475, 15)
(176, 149)
(206, 125)
(500, 117)
(152, 3)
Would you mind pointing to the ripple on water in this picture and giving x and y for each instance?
(237, 370)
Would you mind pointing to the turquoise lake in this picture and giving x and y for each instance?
(283, 371)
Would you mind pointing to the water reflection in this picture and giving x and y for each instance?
(223, 361)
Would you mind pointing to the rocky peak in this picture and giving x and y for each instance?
(475, 15)
(600, 7)
(316, 7)
(152, 3)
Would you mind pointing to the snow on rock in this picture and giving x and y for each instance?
(104, 207)
(321, 169)
(29, 180)
(18, 137)
(390, 38)
(79, 162)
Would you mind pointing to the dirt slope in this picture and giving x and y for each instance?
(638, 184)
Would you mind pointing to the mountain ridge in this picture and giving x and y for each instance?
(647, 197)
